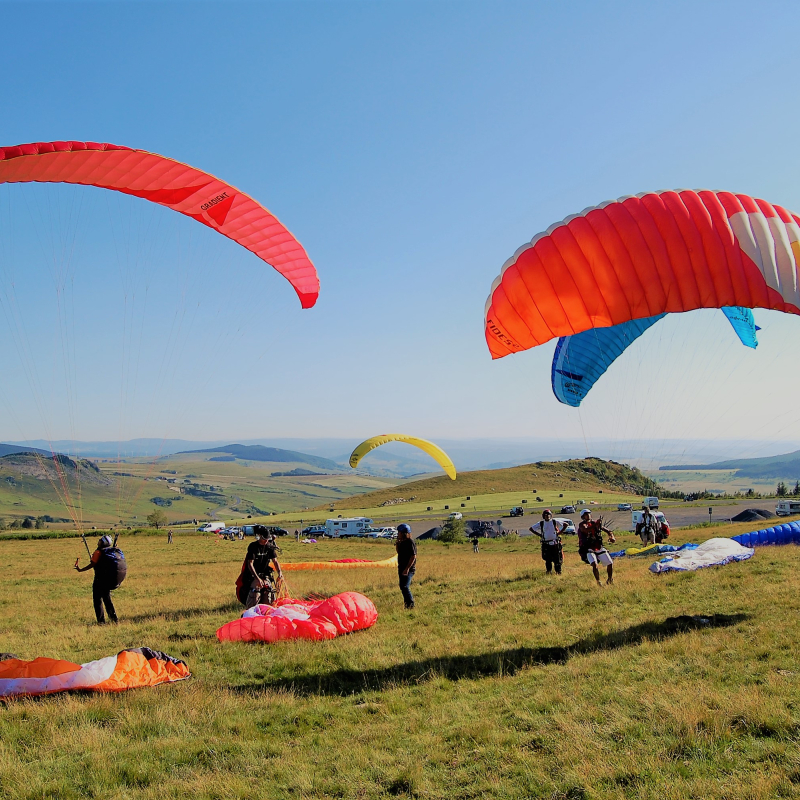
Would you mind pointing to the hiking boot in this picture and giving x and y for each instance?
(610, 582)
(409, 607)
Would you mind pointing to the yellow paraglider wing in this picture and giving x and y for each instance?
(430, 448)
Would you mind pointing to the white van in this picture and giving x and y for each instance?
(650, 502)
(213, 527)
(342, 528)
(786, 508)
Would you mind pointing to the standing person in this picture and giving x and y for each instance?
(110, 569)
(262, 555)
(590, 545)
(474, 542)
(406, 562)
(549, 530)
(169, 536)
(647, 527)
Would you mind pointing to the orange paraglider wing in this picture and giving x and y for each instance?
(637, 257)
(169, 183)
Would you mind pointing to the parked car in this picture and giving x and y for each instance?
(623, 506)
(380, 533)
(456, 515)
(314, 530)
(517, 511)
(568, 510)
(570, 530)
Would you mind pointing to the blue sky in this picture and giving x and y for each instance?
(411, 147)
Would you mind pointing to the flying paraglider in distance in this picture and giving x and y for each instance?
(169, 183)
(430, 448)
(641, 257)
(580, 360)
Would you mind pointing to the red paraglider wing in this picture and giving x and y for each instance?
(169, 183)
(637, 257)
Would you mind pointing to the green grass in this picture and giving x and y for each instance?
(503, 683)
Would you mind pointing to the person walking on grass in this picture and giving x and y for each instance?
(169, 536)
(475, 543)
(648, 527)
(549, 531)
(262, 556)
(406, 562)
(109, 568)
(590, 545)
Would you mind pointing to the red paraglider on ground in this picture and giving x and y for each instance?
(169, 183)
(302, 619)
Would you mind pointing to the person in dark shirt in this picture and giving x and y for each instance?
(261, 556)
(590, 545)
(103, 583)
(406, 562)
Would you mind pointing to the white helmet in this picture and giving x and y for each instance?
(585, 511)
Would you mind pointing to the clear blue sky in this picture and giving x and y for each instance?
(411, 147)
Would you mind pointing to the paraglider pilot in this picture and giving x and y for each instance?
(110, 569)
(406, 562)
(590, 545)
(549, 530)
(259, 555)
(647, 529)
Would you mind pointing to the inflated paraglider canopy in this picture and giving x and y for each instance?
(620, 266)
(430, 448)
(184, 189)
(340, 563)
(302, 619)
(130, 669)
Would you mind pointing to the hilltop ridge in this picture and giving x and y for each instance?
(593, 474)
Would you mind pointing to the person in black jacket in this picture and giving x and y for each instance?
(262, 556)
(104, 581)
(406, 562)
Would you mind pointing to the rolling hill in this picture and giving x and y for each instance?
(786, 466)
(257, 452)
(591, 474)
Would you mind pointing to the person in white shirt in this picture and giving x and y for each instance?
(549, 531)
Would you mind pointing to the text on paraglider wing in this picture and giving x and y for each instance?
(214, 200)
(497, 333)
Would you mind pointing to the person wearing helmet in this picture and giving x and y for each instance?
(406, 562)
(103, 583)
(549, 531)
(590, 545)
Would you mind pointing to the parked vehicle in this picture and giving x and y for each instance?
(517, 511)
(650, 502)
(570, 529)
(380, 533)
(345, 528)
(624, 507)
(213, 527)
(568, 510)
(456, 515)
(787, 507)
(314, 530)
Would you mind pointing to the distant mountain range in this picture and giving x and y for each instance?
(257, 452)
(782, 466)
(11, 449)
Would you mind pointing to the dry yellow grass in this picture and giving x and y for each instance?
(502, 683)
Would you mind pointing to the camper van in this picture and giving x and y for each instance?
(212, 527)
(786, 508)
(343, 528)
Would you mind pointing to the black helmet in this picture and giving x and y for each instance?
(104, 542)
(403, 528)
(262, 531)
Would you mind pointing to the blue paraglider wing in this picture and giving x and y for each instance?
(580, 360)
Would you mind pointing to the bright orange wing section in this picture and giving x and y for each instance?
(656, 253)
(172, 184)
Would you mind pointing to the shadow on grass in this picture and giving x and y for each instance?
(482, 665)
(186, 613)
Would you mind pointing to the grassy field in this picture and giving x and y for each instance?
(713, 480)
(503, 683)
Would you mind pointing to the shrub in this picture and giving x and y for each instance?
(453, 532)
